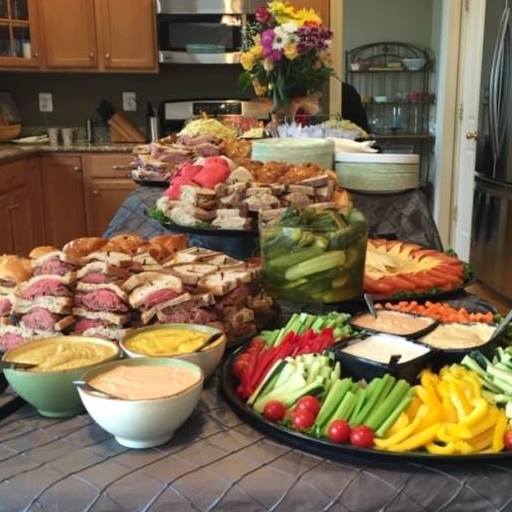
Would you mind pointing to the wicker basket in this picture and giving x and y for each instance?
(9, 132)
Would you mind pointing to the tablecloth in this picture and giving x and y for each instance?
(216, 462)
(404, 216)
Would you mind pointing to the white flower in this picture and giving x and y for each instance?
(290, 28)
(280, 38)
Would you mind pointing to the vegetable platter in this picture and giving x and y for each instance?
(288, 384)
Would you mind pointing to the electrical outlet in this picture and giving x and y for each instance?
(129, 101)
(45, 102)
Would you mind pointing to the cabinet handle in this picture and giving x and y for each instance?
(91, 55)
(107, 56)
(76, 168)
(95, 192)
(13, 207)
(121, 167)
(36, 54)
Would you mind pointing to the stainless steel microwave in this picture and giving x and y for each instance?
(202, 31)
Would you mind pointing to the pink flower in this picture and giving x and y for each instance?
(262, 14)
(267, 38)
(277, 55)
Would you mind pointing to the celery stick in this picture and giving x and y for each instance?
(387, 405)
(361, 397)
(318, 323)
(390, 420)
(343, 411)
(375, 389)
(332, 400)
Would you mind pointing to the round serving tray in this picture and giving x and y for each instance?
(321, 447)
(226, 233)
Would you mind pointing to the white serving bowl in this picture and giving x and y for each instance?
(207, 359)
(142, 423)
(414, 64)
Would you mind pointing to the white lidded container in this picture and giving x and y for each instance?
(295, 151)
(377, 172)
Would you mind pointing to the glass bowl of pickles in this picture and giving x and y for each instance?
(314, 256)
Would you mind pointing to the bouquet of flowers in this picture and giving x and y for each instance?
(286, 53)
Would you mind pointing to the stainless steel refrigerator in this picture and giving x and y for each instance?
(491, 240)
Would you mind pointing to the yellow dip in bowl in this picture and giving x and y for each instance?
(166, 342)
(179, 341)
(62, 353)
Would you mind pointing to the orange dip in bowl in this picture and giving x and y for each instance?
(392, 322)
(145, 382)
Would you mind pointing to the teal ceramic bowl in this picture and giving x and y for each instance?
(52, 393)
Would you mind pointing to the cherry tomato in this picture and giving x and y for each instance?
(508, 440)
(303, 420)
(274, 411)
(338, 431)
(308, 403)
(362, 436)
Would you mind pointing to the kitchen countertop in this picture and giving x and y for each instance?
(10, 152)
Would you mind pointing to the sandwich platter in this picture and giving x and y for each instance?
(104, 288)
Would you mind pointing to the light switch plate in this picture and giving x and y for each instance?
(45, 102)
(129, 101)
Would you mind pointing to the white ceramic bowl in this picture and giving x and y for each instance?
(414, 64)
(142, 423)
(207, 359)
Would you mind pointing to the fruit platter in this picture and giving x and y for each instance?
(301, 385)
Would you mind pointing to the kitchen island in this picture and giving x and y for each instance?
(217, 462)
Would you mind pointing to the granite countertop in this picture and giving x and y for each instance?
(10, 152)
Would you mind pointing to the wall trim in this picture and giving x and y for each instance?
(336, 23)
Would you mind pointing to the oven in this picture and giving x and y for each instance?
(203, 31)
(173, 114)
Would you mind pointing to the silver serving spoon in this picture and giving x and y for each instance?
(369, 303)
(85, 385)
(210, 339)
(13, 365)
(501, 327)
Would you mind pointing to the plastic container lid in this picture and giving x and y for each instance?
(377, 158)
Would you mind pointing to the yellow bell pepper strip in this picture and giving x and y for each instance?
(486, 424)
(458, 431)
(430, 381)
(412, 410)
(417, 440)
(449, 448)
(478, 414)
(401, 422)
(459, 401)
(482, 441)
(426, 396)
(499, 433)
(443, 436)
(404, 433)
(474, 385)
(435, 415)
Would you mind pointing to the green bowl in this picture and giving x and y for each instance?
(52, 393)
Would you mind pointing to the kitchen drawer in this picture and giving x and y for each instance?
(14, 174)
(112, 165)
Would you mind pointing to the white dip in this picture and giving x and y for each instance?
(381, 347)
